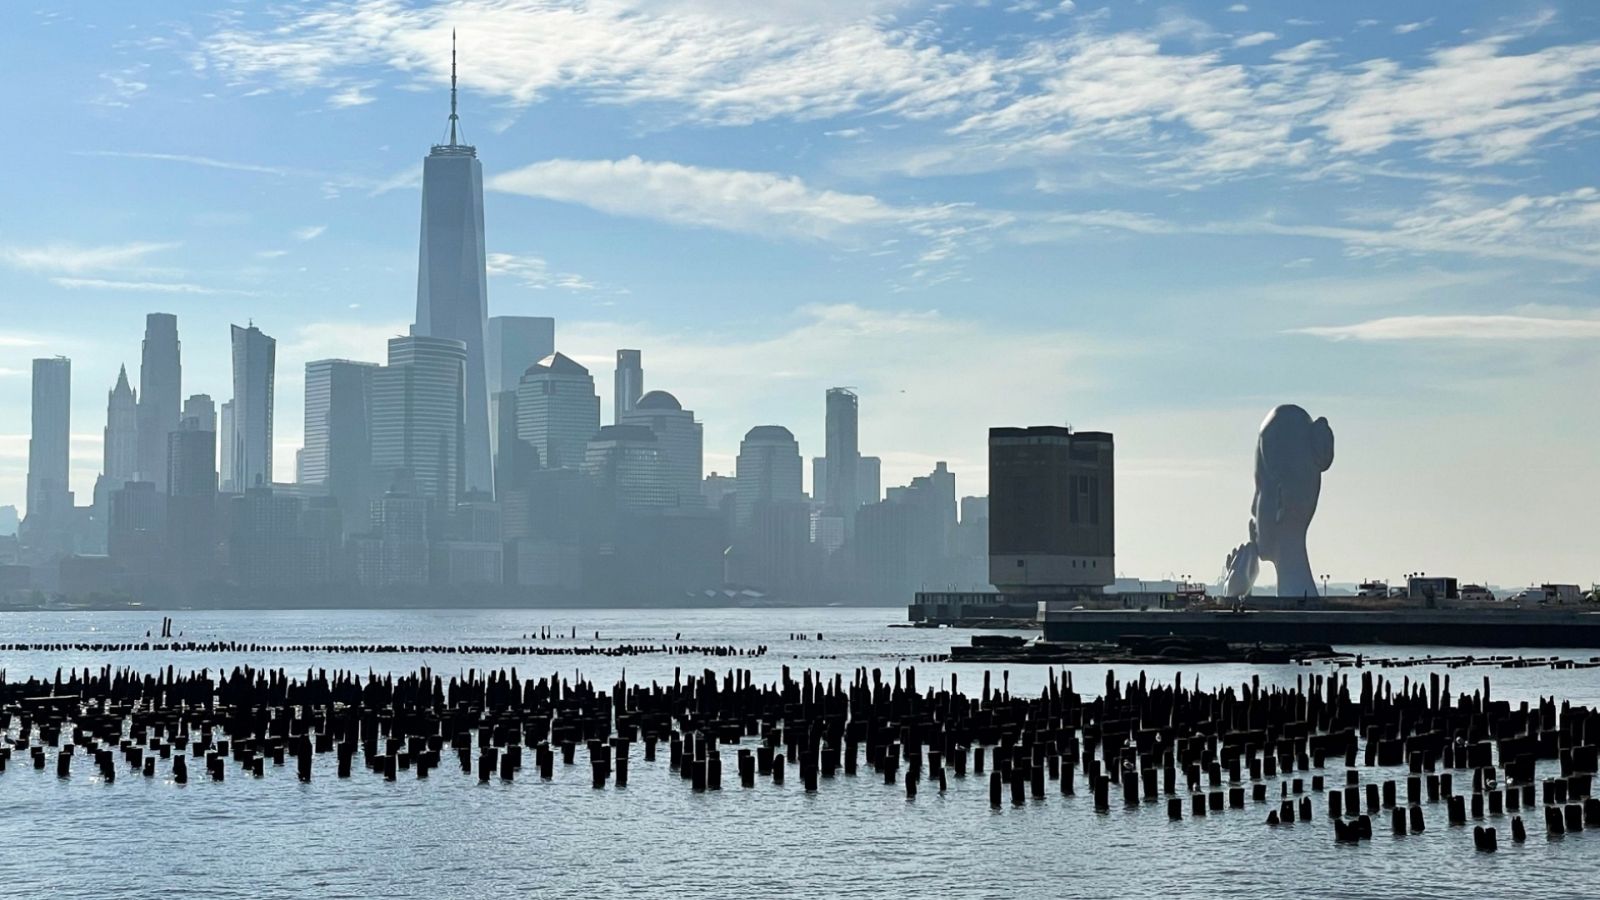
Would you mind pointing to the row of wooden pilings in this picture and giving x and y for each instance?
(1205, 751)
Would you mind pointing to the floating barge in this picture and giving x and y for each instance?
(1561, 627)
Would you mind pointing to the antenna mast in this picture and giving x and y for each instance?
(452, 87)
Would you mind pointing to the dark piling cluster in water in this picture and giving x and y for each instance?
(1194, 753)
(413, 649)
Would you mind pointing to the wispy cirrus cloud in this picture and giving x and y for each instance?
(147, 287)
(765, 203)
(1461, 328)
(534, 272)
(77, 258)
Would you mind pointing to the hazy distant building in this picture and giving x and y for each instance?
(338, 441)
(558, 411)
(768, 470)
(869, 480)
(679, 438)
(418, 419)
(191, 515)
(396, 553)
(225, 448)
(136, 537)
(49, 445)
(264, 538)
(1051, 506)
(202, 409)
(9, 520)
(514, 344)
(121, 442)
(254, 370)
(160, 392)
(452, 283)
(843, 454)
(627, 384)
(629, 469)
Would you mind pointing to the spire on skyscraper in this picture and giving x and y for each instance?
(453, 116)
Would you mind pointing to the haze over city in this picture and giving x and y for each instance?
(1155, 221)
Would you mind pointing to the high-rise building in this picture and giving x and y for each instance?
(225, 448)
(768, 470)
(137, 530)
(869, 480)
(418, 430)
(264, 538)
(558, 410)
(843, 454)
(514, 344)
(121, 444)
(680, 440)
(338, 448)
(200, 408)
(192, 496)
(160, 392)
(452, 292)
(628, 467)
(627, 384)
(49, 442)
(254, 368)
(1050, 508)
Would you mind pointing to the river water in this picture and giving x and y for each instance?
(451, 836)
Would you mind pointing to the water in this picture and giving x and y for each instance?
(450, 836)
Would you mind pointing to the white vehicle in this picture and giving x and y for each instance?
(1530, 594)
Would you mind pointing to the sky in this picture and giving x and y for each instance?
(1156, 219)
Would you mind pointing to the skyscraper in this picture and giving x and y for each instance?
(1051, 499)
(768, 470)
(338, 450)
(160, 392)
(558, 410)
(254, 367)
(121, 445)
(629, 469)
(680, 440)
(452, 293)
(49, 497)
(200, 408)
(843, 454)
(418, 432)
(515, 343)
(627, 384)
(225, 448)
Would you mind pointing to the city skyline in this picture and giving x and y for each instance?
(1412, 341)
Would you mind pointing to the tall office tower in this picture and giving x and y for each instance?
(418, 418)
(452, 293)
(160, 392)
(200, 408)
(819, 479)
(49, 497)
(225, 448)
(680, 440)
(843, 455)
(338, 450)
(136, 531)
(514, 344)
(627, 384)
(254, 367)
(191, 498)
(1051, 522)
(869, 480)
(629, 469)
(121, 445)
(558, 411)
(768, 470)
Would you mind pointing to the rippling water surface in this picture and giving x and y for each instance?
(450, 836)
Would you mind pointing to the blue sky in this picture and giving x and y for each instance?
(1157, 219)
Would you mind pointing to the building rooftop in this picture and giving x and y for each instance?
(557, 363)
(658, 400)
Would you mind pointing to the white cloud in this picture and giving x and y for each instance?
(309, 232)
(764, 203)
(534, 272)
(1461, 328)
(76, 258)
(190, 159)
(147, 287)
(1255, 39)
(353, 95)
(1409, 27)
(1471, 103)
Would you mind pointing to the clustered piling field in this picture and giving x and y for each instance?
(1206, 753)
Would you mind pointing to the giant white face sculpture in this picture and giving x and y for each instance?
(1291, 454)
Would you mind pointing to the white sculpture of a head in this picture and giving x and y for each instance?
(1291, 454)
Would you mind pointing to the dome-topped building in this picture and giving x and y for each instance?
(678, 436)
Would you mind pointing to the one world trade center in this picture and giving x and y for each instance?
(452, 295)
